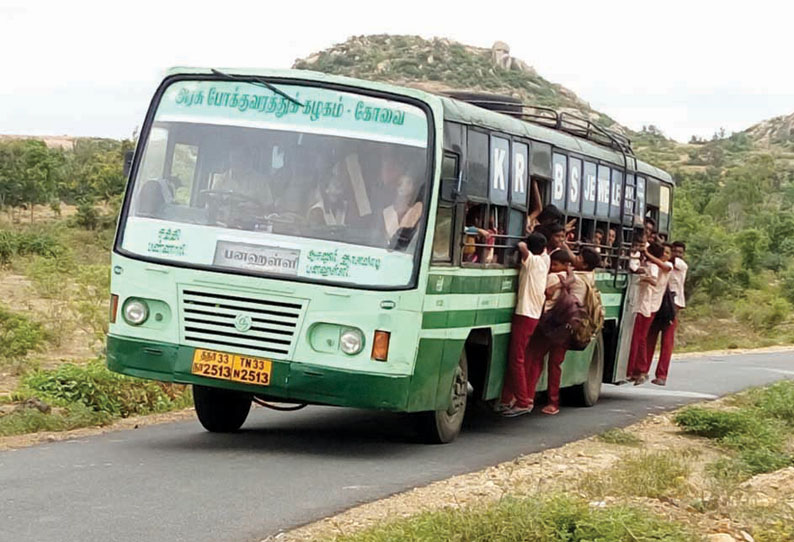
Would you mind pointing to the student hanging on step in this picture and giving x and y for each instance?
(564, 313)
(653, 284)
(670, 324)
(516, 400)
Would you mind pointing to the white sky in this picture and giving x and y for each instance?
(689, 67)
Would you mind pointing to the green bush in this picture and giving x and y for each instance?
(756, 432)
(18, 335)
(536, 519)
(95, 387)
(20, 243)
(87, 216)
(714, 424)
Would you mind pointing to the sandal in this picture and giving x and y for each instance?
(516, 411)
(642, 379)
(659, 381)
(502, 407)
(551, 410)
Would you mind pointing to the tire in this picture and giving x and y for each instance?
(219, 410)
(587, 393)
(443, 426)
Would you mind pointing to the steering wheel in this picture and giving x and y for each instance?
(244, 208)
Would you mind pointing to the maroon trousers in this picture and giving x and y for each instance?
(515, 383)
(666, 352)
(539, 346)
(638, 356)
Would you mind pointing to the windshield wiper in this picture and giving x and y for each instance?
(254, 80)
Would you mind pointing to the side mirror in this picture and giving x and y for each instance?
(453, 190)
(128, 155)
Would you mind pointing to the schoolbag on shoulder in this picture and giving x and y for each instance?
(587, 327)
(558, 323)
(667, 310)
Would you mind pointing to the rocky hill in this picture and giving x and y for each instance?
(440, 65)
(778, 131)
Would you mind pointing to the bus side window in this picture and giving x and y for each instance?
(183, 171)
(442, 236)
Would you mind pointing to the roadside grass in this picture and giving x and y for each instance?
(620, 436)
(31, 420)
(757, 431)
(542, 519)
(73, 396)
(654, 475)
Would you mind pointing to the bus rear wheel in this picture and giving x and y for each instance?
(587, 393)
(219, 410)
(443, 426)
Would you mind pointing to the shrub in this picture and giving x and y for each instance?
(87, 216)
(95, 387)
(714, 424)
(18, 335)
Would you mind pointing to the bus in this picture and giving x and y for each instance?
(292, 237)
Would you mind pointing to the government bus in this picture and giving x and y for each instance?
(291, 238)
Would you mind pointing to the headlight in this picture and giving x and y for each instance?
(136, 311)
(351, 342)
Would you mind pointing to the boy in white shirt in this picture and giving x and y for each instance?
(649, 298)
(515, 399)
(676, 286)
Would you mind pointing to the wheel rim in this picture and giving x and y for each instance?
(457, 401)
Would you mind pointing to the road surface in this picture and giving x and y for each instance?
(175, 482)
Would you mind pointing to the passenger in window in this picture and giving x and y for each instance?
(536, 207)
(637, 253)
(556, 237)
(598, 240)
(650, 231)
(402, 217)
(612, 237)
(667, 327)
(516, 399)
(332, 206)
(548, 216)
(475, 234)
(649, 298)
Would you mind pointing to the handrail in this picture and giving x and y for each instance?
(558, 120)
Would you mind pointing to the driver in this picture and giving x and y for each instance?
(243, 180)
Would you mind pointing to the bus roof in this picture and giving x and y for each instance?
(454, 110)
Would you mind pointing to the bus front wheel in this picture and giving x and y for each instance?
(219, 410)
(443, 426)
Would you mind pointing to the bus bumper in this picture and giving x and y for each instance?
(290, 381)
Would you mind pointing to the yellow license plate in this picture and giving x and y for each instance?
(235, 367)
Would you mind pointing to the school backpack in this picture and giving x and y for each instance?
(558, 323)
(585, 328)
(667, 310)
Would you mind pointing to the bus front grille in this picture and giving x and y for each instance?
(265, 326)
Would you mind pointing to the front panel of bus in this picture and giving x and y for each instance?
(271, 241)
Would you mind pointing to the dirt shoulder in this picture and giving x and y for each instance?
(31, 439)
(576, 469)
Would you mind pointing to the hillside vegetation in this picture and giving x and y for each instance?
(734, 205)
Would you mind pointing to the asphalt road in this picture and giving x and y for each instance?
(175, 482)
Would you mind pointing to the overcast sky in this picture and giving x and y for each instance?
(89, 68)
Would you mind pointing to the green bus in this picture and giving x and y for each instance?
(295, 237)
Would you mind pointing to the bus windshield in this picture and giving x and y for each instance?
(332, 187)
